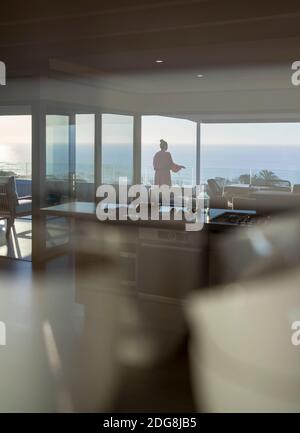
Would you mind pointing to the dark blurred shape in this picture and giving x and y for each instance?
(241, 352)
(262, 249)
(272, 202)
(216, 202)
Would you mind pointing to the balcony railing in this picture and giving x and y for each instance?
(111, 173)
(257, 176)
(184, 177)
(18, 169)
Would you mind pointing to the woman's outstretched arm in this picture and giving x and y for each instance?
(175, 167)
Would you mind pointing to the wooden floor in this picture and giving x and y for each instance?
(56, 361)
(22, 246)
(162, 388)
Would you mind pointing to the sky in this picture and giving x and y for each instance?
(180, 131)
(15, 133)
(15, 138)
(117, 129)
(267, 134)
(175, 131)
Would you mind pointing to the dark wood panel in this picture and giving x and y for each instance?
(114, 22)
(212, 32)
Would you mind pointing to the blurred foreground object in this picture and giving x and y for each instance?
(97, 288)
(62, 332)
(262, 249)
(242, 356)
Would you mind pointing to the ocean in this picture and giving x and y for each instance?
(226, 161)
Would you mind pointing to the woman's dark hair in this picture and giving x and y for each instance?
(163, 144)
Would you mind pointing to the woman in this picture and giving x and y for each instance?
(163, 165)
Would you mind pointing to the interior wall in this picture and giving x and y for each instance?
(271, 104)
(227, 105)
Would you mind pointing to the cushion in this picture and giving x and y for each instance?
(24, 207)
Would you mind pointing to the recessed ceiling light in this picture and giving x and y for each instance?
(159, 61)
(200, 76)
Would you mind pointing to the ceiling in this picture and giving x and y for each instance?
(235, 44)
(164, 80)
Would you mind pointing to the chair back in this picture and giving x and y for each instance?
(213, 188)
(8, 196)
(24, 187)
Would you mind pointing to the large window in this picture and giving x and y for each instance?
(117, 148)
(15, 145)
(15, 160)
(70, 150)
(181, 136)
(256, 153)
(85, 148)
(57, 147)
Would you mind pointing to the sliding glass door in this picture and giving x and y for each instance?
(70, 142)
(117, 147)
(15, 183)
(83, 178)
(69, 170)
(60, 167)
(82, 150)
